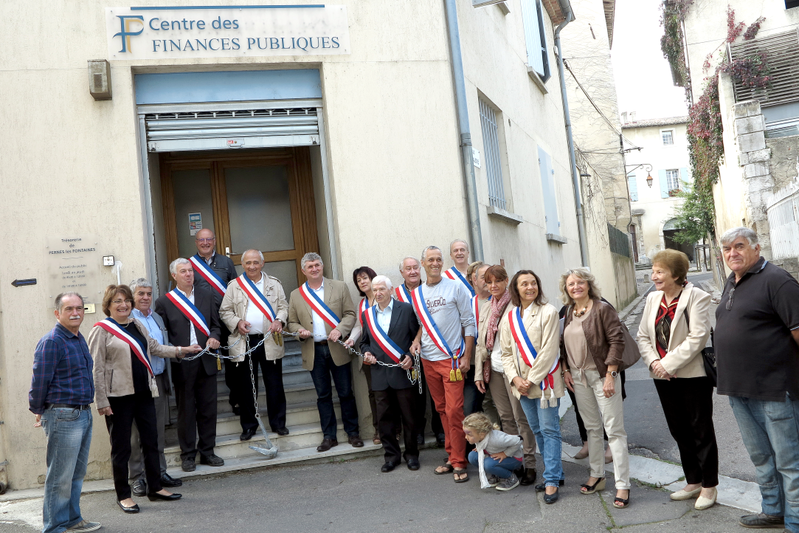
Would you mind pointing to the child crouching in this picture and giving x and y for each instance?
(497, 454)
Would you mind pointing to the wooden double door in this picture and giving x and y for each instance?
(253, 199)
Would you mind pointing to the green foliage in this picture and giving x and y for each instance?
(672, 16)
(696, 216)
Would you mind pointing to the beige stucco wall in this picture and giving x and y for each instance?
(392, 153)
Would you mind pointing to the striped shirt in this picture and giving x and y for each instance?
(62, 371)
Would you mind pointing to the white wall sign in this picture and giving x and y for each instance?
(241, 31)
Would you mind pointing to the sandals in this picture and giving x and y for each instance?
(447, 469)
(585, 488)
(621, 503)
(458, 472)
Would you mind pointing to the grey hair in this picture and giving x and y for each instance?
(402, 263)
(584, 274)
(141, 282)
(734, 233)
(431, 247)
(259, 252)
(384, 280)
(63, 295)
(173, 266)
(310, 256)
(459, 240)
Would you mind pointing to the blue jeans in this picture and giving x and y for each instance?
(502, 469)
(770, 431)
(545, 424)
(323, 368)
(69, 434)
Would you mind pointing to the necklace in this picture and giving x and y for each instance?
(578, 314)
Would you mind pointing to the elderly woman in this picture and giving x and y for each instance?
(529, 338)
(362, 278)
(675, 326)
(489, 348)
(593, 343)
(124, 390)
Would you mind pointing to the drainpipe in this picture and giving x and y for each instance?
(473, 211)
(566, 7)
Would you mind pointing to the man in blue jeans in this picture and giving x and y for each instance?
(757, 351)
(62, 390)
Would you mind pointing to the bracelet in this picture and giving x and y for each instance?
(567, 370)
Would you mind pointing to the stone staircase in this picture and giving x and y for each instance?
(302, 421)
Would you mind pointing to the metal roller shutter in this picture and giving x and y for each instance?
(222, 130)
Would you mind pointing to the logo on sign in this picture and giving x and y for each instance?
(125, 32)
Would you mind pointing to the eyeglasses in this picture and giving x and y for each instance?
(729, 300)
(79, 309)
(119, 301)
(212, 239)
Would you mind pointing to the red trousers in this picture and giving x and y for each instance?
(448, 397)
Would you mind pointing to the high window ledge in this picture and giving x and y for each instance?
(506, 216)
(552, 237)
(537, 79)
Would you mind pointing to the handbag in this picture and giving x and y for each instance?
(631, 353)
(708, 354)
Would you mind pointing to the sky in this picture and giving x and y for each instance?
(643, 76)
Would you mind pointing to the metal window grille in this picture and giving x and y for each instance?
(673, 179)
(619, 242)
(496, 188)
(668, 137)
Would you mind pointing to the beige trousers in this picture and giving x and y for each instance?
(514, 421)
(595, 408)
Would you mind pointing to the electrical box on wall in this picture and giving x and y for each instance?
(100, 79)
(108, 260)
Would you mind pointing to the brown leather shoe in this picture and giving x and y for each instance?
(327, 444)
(355, 440)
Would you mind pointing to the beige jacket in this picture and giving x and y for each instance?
(480, 350)
(543, 327)
(234, 308)
(683, 359)
(112, 372)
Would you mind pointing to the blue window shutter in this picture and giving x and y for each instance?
(532, 35)
(664, 184)
(633, 185)
(685, 180)
(548, 190)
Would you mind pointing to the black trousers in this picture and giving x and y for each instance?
(420, 413)
(230, 381)
(472, 398)
(405, 399)
(195, 392)
(688, 406)
(272, 372)
(126, 409)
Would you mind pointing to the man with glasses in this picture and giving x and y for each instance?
(62, 390)
(757, 353)
(213, 272)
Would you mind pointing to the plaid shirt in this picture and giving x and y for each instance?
(62, 371)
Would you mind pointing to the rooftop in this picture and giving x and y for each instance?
(631, 124)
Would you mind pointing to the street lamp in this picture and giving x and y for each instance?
(649, 179)
(648, 169)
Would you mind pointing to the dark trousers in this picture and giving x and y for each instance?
(472, 398)
(127, 409)
(580, 425)
(367, 372)
(420, 415)
(404, 399)
(323, 368)
(230, 381)
(195, 392)
(688, 406)
(273, 385)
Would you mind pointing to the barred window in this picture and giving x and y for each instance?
(493, 160)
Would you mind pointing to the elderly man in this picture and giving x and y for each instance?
(389, 329)
(214, 272)
(411, 272)
(459, 253)
(190, 317)
(446, 343)
(757, 351)
(62, 389)
(142, 300)
(255, 310)
(321, 309)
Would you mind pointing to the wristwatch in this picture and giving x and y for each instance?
(613, 373)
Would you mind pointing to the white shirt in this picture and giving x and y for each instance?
(384, 316)
(254, 315)
(319, 332)
(192, 333)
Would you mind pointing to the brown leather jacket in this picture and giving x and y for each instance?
(603, 335)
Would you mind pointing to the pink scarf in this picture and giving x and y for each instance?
(497, 308)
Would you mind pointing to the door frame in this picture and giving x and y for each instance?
(301, 193)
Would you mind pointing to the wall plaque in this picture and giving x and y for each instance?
(73, 264)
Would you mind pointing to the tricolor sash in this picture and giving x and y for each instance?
(363, 306)
(419, 304)
(136, 346)
(476, 311)
(208, 274)
(402, 294)
(256, 297)
(318, 306)
(189, 310)
(388, 346)
(455, 274)
(526, 348)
